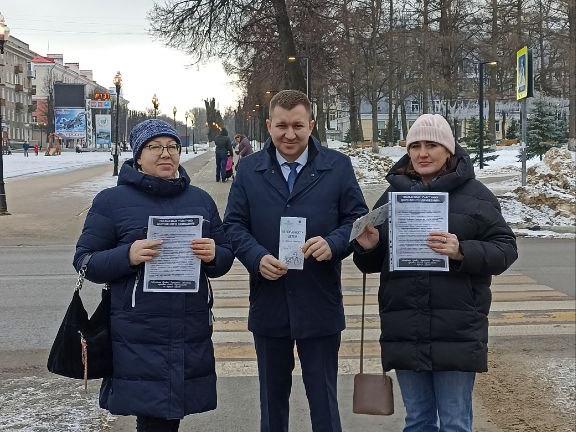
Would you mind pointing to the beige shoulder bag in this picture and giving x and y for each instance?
(372, 392)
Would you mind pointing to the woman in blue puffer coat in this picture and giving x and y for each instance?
(163, 357)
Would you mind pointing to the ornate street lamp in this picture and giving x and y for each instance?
(186, 127)
(174, 112)
(481, 107)
(4, 34)
(118, 85)
(192, 124)
(155, 104)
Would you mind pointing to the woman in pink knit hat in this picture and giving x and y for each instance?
(435, 324)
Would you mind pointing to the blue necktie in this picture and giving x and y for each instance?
(292, 175)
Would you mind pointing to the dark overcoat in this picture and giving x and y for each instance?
(438, 321)
(163, 358)
(303, 303)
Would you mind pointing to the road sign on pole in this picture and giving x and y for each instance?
(524, 90)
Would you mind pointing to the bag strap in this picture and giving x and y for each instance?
(82, 272)
(362, 325)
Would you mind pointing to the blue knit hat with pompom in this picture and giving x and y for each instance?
(147, 130)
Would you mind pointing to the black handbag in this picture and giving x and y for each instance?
(82, 348)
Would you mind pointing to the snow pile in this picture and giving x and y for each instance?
(370, 168)
(551, 187)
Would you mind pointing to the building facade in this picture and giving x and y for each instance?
(16, 92)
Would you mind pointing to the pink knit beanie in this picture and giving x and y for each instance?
(431, 127)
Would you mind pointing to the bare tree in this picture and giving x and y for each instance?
(207, 29)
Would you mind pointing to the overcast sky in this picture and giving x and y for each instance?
(111, 35)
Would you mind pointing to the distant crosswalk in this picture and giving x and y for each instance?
(520, 307)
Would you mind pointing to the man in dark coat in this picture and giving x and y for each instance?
(223, 150)
(163, 366)
(294, 177)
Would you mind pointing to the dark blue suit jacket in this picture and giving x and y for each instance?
(304, 303)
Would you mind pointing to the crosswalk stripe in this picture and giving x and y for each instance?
(372, 299)
(520, 307)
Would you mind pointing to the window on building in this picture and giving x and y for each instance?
(415, 106)
(497, 126)
(436, 105)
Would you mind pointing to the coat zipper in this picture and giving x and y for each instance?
(134, 289)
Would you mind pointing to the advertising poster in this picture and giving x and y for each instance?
(103, 130)
(70, 122)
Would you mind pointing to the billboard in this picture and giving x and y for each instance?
(100, 104)
(69, 95)
(103, 129)
(70, 122)
(524, 77)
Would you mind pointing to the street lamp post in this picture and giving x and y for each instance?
(481, 108)
(4, 34)
(186, 127)
(118, 85)
(155, 104)
(292, 59)
(174, 113)
(41, 126)
(192, 124)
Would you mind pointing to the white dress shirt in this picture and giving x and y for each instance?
(286, 169)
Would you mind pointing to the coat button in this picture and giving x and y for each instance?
(312, 174)
(287, 205)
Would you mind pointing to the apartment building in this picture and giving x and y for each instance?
(16, 91)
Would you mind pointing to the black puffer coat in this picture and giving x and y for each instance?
(438, 321)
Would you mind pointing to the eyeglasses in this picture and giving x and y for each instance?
(158, 149)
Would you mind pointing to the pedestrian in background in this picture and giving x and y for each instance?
(294, 176)
(25, 147)
(223, 150)
(244, 147)
(435, 324)
(36, 149)
(163, 358)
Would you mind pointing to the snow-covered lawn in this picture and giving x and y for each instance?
(530, 211)
(16, 165)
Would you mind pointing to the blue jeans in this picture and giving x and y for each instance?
(437, 401)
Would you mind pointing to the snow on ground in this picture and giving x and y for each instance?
(16, 165)
(24, 406)
(547, 202)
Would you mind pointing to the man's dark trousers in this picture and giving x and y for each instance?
(221, 159)
(319, 361)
